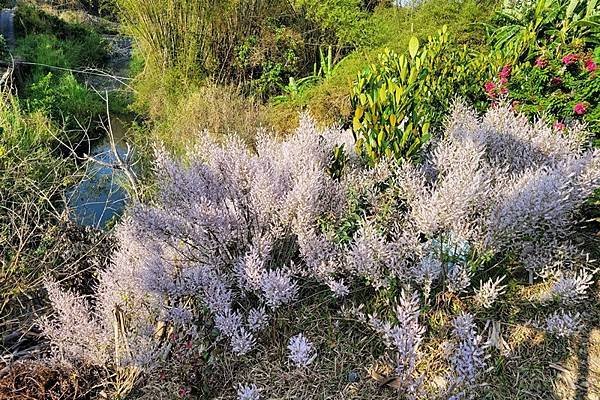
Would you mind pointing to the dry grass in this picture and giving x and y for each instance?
(351, 356)
(220, 110)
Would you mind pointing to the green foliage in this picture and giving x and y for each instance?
(344, 22)
(518, 30)
(3, 47)
(389, 27)
(64, 99)
(400, 100)
(552, 89)
(86, 50)
(552, 47)
(28, 171)
(31, 20)
(53, 46)
(104, 8)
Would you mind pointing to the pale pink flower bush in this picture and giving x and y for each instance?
(232, 233)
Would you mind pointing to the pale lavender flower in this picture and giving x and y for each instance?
(248, 392)
(338, 287)
(228, 322)
(408, 334)
(75, 333)
(563, 323)
(426, 271)
(368, 255)
(179, 315)
(571, 288)
(488, 292)
(405, 338)
(468, 357)
(242, 341)
(301, 351)
(278, 288)
(459, 278)
(257, 319)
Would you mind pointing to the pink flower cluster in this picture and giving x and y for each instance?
(590, 65)
(501, 88)
(541, 62)
(580, 108)
(570, 59)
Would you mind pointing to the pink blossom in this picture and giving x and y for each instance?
(505, 72)
(590, 65)
(503, 81)
(579, 108)
(570, 59)
(503, 90)
(559, 126)
(556, 81)
(490, 88)
(541, 62)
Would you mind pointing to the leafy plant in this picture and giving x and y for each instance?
(563, 87)
(520, 28)
(550, 47)
(399, 101)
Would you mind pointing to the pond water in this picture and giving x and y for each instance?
(101, 196)
(7, 26)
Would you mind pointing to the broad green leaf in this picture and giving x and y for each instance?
(571, 8)
(359, 112)
(380, 138)
(413, 46)
(356, 125)
(591, 7)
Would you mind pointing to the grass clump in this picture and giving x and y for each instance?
(35, 236)
(220, 110)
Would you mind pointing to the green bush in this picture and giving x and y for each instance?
(343, 22)
(552, 49)
(49, 88)
(31, 20)
(64, 99)
(549, 87)
(86, 50)
(520, 28)
(328, 100)
(399, 101)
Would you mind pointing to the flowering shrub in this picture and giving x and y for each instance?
(302, 352)
(554, 74)
(233, 237)
(565, 89)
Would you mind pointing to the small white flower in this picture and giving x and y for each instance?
(248, 392)
(302, 352)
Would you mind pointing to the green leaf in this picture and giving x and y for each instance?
(413, 46)
(380, 138)
(591, 7)
(359, 112)
(356, 124)
(571, 8)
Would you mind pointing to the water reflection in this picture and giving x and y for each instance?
(100, 196)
